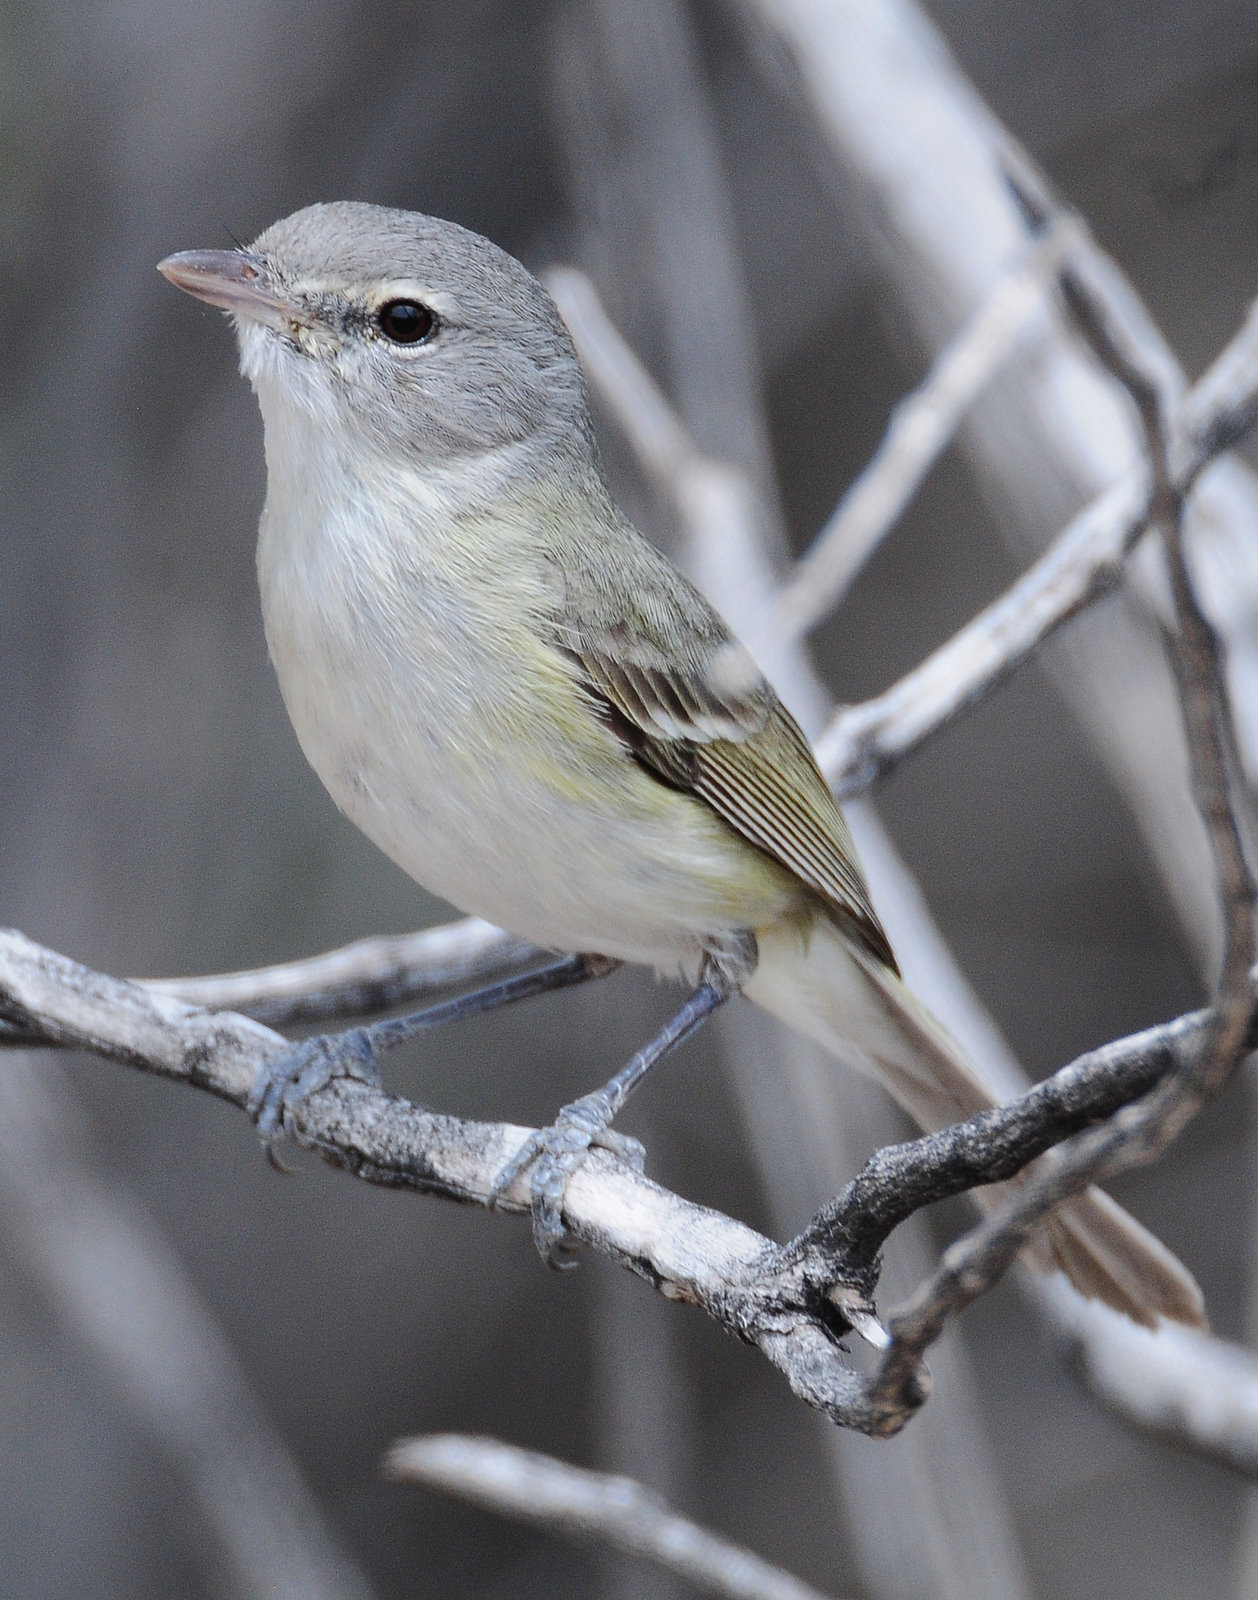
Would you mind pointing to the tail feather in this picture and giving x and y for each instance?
(859, 1011)
(1109, 1256)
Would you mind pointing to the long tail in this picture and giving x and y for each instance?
(859, 1011)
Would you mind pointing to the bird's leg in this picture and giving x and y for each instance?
(554, 1153)
(291, 1077)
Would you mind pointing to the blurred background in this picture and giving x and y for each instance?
(157, 816)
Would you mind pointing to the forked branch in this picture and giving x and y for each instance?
(794, 1302)
(1140, 1132)
(1112, 1109)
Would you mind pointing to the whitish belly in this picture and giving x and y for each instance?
(483, 774)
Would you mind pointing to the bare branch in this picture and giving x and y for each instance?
(864, 742)
(996, 1144)
(921, 426)
(589, 1506)
(360, 979)
(1082, 564)
(356, 980)
(1141, 1132)
(687, 1252)
(970, 1267)
(794, 1303)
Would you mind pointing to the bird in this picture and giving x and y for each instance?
(524, 704)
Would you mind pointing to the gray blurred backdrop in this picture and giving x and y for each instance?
(157, 816)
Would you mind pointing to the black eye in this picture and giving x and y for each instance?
(405, 321)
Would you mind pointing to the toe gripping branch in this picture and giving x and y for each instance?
(290, 1078)
(556, 1152)
(553, 1153)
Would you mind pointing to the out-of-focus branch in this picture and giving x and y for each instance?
(124, 1302)
(661, 440)
(921, 426)
(1141, 1132)
(1216, 408)
(864, 742)
(589, 1507)
(1183, 1387)
(1082, 564)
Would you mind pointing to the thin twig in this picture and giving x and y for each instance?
(1139, 1133)
(922, 425)
(899, 1179)
(1198, 655)
(583, 1506)
(1083, 564)
(359, 979)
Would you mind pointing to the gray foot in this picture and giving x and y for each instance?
(554, 1154)
(288, 1080)
(292, 1077)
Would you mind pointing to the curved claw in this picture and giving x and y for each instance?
(554, 1154)
(274, 1160)
(286, 1081)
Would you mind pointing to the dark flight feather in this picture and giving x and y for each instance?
(661, 678)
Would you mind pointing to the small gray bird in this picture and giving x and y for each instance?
(529, 709)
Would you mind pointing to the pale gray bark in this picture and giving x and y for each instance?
(926, 157)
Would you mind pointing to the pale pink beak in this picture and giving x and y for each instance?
(233, 279)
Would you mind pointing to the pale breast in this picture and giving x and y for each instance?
(462, 746)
